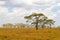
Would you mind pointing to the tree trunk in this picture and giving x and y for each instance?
(36, 26)
(43, 25)
(36, 23)
(50, 25)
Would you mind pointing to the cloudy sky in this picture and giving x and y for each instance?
(13, 11)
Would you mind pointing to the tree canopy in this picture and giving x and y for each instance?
(39, 19)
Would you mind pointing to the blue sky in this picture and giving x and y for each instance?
(13, 11)
(55, 9)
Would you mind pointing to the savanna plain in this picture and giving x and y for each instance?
(29, 34)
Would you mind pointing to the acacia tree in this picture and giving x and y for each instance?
(34, 18)
(39, 19)
(50, 22)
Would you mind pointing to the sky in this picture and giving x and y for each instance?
(13, 11)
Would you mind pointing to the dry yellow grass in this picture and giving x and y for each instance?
(29, 34)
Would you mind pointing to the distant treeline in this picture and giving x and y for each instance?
(18, 25)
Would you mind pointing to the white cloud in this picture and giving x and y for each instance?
(2, 2)
(50, 14)
(22, 1)
(14, 17)
(17, 11)
(22, 8)
(46, 12)
(31, 2)
(58, 13)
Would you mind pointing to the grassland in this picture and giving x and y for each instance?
(29, 34)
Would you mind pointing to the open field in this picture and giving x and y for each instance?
(29, 34)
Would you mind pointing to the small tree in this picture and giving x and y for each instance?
(50, 22)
